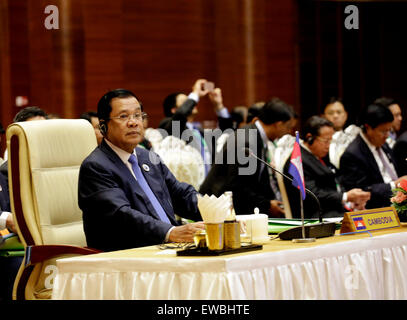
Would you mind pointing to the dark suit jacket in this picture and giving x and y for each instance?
(4, 195)
(116, 213)
(400, 153)
(321, 180)
(4, 171)
(358, 169)
(249, 190)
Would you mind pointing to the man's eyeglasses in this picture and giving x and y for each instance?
(126, 117)
(324, 141)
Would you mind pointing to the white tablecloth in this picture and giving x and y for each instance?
(369, 268)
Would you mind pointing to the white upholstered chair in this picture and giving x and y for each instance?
(283, 151)
(44, 161)
(340, 141)
(154, 136)
(184, 161)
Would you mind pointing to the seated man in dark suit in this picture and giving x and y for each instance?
(368, 161)
(252, 183)
(320, 176)
(127, 195)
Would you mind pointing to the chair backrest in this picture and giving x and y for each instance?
(154, 136)
(44, 161)
(184, 161)
(283, 151)
(340, 141)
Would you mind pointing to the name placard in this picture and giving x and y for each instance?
(370, 220)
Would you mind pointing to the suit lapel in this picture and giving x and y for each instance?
(365, 152)
(389, 153)
(315, 163)
(128, 177)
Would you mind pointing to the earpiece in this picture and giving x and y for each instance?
(310, 140)
(103, 128)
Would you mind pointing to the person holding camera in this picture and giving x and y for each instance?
(181, 110)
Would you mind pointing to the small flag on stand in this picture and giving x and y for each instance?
(295, 168)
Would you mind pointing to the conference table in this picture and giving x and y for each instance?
(357, 266)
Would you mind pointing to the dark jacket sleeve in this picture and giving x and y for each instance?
(4, 195)
(355, 173)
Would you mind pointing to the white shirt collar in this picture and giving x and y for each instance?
(123, 155)
(368, 143)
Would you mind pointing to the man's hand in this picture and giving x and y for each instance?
(198, 88)
(276, 210)
(185, 233)
(10, 224)
(358, 197)
(216, 98)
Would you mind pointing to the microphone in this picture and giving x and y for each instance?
(319, 230)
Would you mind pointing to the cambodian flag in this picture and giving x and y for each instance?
(295, 168)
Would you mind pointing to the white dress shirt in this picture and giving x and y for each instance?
(384, 173)
(3, 219)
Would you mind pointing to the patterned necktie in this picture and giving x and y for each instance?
(386, 167)
(147, 190)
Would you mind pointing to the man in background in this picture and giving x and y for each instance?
(395, 109)
(335, 112)
(258, 188)
(368, 161)
(321, 177)
(181, 111)
(92, 117)
(26, 114)
(9, 265)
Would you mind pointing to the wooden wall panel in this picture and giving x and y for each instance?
(5, 86)
(103, 42)
(164, 49)
(358, 65)
(151, 47)
(44, 67)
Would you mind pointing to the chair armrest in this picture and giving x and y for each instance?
(39, 253)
